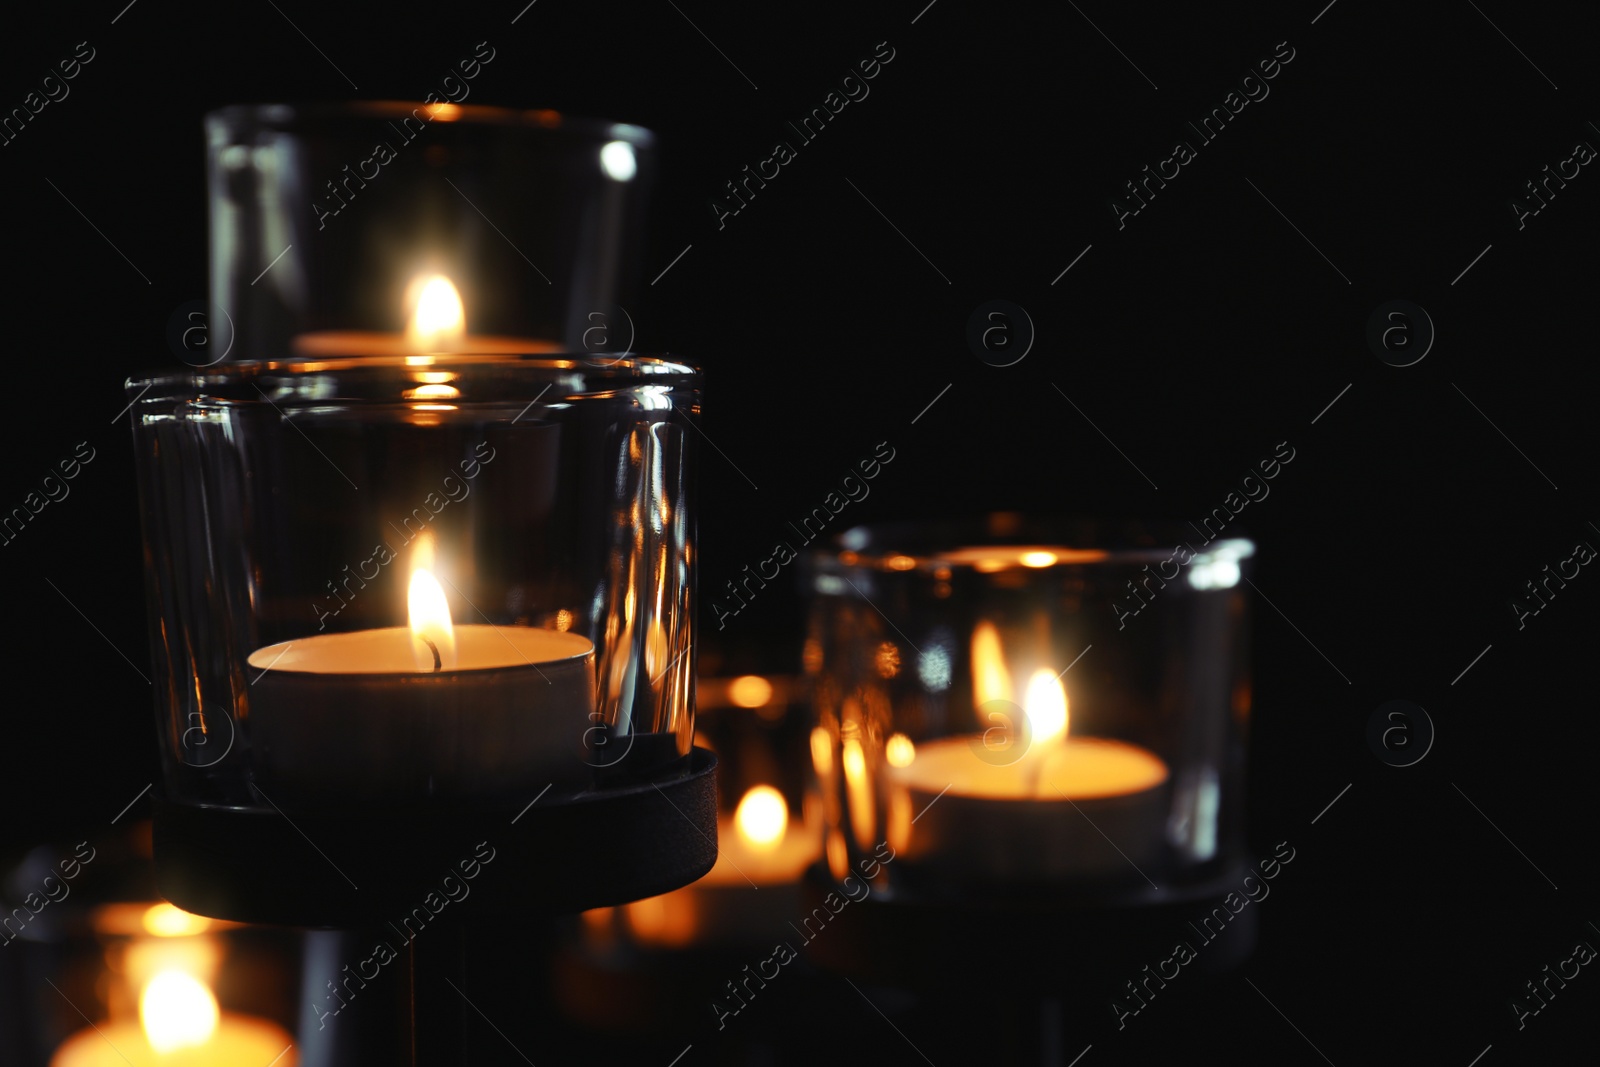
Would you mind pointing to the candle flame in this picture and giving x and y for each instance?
(438, 321)
(1046, 705)
(433, 638)
(761, 818)
(177, 1010)
(899, 750)
(990, 679)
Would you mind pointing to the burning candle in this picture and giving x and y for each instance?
(179, 1026)
(437, 324)
(748, 894)
(168, 966)
(1031, 804)
(429, 709)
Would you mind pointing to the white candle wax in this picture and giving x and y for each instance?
(1046, 816)
(353, 715)
(378, 343)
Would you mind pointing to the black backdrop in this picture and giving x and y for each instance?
(1197, 336)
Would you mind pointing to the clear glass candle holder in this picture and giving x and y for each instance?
(1045, 710)
(408, 579)
(328, 221)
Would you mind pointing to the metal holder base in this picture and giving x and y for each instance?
(363, 871)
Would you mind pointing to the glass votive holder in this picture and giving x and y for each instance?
(330, 224)
(416, 580)
(1032, 710)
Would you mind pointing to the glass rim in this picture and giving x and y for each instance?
(608, 373)
(295, 116)
(1037, 543)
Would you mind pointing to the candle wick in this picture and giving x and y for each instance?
(437, 662)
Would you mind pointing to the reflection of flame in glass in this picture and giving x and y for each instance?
(438, 321)
(990, 679)
(1046, 705)
(433, 392)
(859, 789)
(900, 819)
(899, 751)
(177, 1010)
(838, 855)
(821, 751)
(167, 920)
(761, 818)
(433, 638)
(656, 660)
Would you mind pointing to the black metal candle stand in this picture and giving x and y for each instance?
(361, 870)
(1055, 944)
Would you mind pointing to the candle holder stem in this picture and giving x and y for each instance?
(436, 1001)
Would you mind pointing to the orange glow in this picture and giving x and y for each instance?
(822, 752)
(433, 392)
(859, 789)
(990, 679)
(838, 855)
(900, 819)
(899, 751)
(166, 920)
(177, 1010)
(761, 818)
(750, 691)
(987, 559)
(665, 920)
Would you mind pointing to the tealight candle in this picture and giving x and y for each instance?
(437, 325)
(750, 892)
(1063, 806)
(179, 1026)
(432, 709)
(166, 968)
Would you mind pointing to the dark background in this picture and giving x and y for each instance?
(1196, 338)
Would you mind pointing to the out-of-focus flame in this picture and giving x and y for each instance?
(1046, 705)
(177, 1010)
(438, 321)
(761, 818)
